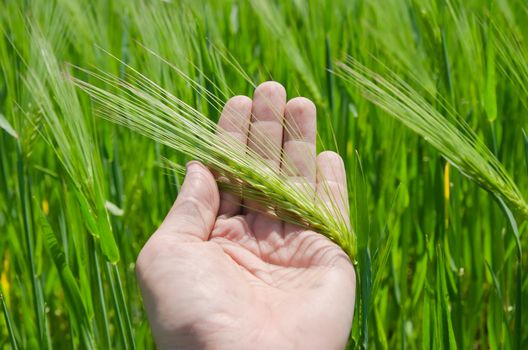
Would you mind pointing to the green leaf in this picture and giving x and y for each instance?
(77, 308)
(490, 100)
(4, 124)
(362, 228)
(525, 141)
(361, 216)
(513, 224)
(107, 240)
(426, 320)
(518, 285)
(87, 212)
(8, 321)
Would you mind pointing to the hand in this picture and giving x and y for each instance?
(216, 275)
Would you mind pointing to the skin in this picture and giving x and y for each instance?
(217, 275)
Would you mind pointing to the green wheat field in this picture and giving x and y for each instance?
(426, 101)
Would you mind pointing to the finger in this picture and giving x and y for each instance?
(298, 160)
(233, 126)
(194, 212)
(331, 187)
(298, 155)
(265, 130)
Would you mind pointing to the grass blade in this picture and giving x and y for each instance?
(25, 202)
(525, 142)
(4, 124)
(9, 322)
(74, 297)
(519, 281)
(364, 258)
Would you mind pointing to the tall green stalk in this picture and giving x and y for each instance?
(27, 219)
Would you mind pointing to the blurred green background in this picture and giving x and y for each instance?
(438, 266)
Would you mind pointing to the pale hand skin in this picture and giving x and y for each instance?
(218, 276)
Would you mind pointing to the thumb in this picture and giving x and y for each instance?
(194, 212)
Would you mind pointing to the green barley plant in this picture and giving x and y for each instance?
(449, 135)
(145, 107)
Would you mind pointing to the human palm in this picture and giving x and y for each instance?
(218, 274)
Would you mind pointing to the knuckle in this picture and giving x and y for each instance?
(190, 206)
(197, 203)
(191, 217)
(198, 177)
(204, 185)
